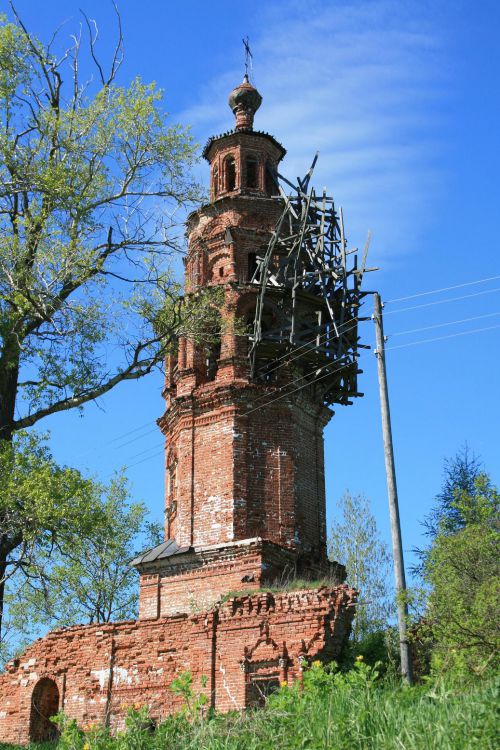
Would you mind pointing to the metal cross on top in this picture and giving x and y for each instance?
(248, 55)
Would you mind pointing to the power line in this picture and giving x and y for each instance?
(287, 385)
(327, 374)
(139, 437)
(312, 341)
(441, 325)
(287, 358)
(444, 289)
(442, 301)
(148, 458)
(289, 393)
(141, 453)
(442, 338)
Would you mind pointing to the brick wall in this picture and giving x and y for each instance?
(242, 473)
(242, 646)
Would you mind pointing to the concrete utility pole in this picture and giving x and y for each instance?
(397, 545)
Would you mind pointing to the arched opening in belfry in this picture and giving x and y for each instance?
(215, 182)
(252, 265)
(230, 173)
(212, 353)
(44, 705)
(271, 185)
(251, 172)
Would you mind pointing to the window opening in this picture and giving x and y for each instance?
(260, 688)
(212, 358)
(271, 188)
(252, 265)
(215, 184)
(251, 172)
(230, 173)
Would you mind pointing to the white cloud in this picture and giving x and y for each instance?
(360, 82)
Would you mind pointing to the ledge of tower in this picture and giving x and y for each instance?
(246, 131)
(220, 203)
(161, 551)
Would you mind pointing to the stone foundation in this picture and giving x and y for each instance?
(244, 647)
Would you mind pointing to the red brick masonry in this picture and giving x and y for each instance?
(245, 501)
(245, 646)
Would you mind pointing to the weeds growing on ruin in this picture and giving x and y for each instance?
(353, 710)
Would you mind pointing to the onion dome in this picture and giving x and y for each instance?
(244, 100)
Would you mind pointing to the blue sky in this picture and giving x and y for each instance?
(402, 101)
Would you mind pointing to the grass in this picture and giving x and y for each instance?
(333, 711)
(281, 587)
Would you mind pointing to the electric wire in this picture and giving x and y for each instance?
(331, 372)
(442, 325)
(139, 437)
(287, 358)
(289, 393)
(146, 450)
(444, 289)
(287, 385)
(441, 301)
(312, 341)
(441, 338)
(148, 458)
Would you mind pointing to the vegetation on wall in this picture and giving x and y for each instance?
(331, 710)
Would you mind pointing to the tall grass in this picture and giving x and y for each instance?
(333, 711)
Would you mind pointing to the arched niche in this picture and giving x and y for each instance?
(229, 173)
(252, 172)
(44, 705)
(270, 181)
(215, 182)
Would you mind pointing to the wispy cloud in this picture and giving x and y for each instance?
(362, 83)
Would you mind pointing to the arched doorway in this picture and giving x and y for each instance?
(44, 704)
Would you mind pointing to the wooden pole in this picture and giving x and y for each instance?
(397, 545)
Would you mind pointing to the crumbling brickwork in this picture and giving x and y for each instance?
(244, 502)
(243, 647)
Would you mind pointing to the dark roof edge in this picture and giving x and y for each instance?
(259, 133)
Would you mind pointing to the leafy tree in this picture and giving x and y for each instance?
(41, 504)
(91, 175)
(462, 571)
(88, 577)
(460, 476)
(355, 541)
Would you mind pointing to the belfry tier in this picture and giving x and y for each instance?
(226, 236)
(245, 498)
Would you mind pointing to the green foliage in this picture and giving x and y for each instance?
(379, 649)
(42, 506)
(77, 539)
(355, 542)
(462, 571)
(334, 710)
(194, 703)
(459, 478)
(91, 177)
(40, 501)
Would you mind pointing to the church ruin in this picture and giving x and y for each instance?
(245, 494)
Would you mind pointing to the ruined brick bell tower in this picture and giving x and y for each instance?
(245, 496)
